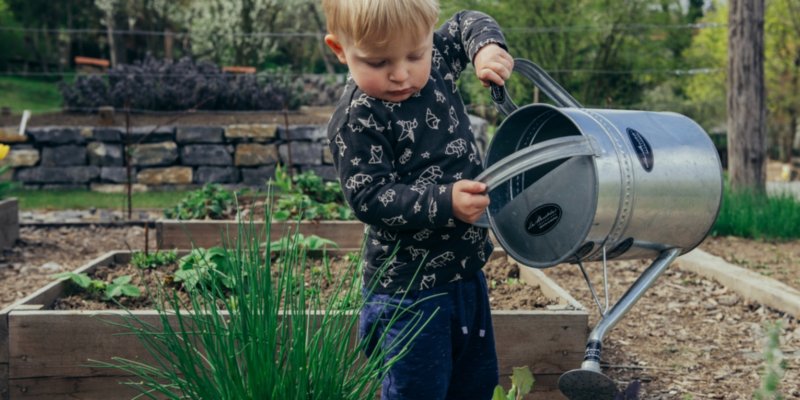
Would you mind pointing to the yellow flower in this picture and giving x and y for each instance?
(4, 149)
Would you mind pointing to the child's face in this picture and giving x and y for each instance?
(393, 72)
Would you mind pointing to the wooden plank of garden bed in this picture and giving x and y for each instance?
(750, 285)
(36, 349)
(174, 234)
(549, 342)
(50, 388)
(43, 296)
(53, 344)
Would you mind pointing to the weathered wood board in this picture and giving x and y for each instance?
(44, 353)
(174, 234)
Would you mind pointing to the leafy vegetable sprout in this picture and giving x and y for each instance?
(307, 196)
(155, 259)
(106, 291)
(210, 202)
(521, 384)
(209, 267)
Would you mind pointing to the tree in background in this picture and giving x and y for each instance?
(782, 70)
(46, 38)
(706, 91)
(249, 32)
(606, 53)
(746, 95)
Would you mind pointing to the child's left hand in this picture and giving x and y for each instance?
(493, 64)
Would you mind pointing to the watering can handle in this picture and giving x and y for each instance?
(536, 155)
(531, 157)
(541, 79)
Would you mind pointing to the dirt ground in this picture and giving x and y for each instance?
(687, 338)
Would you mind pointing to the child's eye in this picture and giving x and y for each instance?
(376, 64)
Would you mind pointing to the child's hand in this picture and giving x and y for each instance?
(469, 200)
(493, 64)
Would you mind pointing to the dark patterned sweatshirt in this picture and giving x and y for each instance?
(397, 163)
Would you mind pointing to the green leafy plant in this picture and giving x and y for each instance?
(210, 202)
(521, 384)
(155, 259)
(311, 242)
(261, 343)
(774, 366)
(204, 267)
(106, 291)
(306, 196)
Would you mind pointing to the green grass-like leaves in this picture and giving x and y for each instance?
(754, 215)
(261, 335)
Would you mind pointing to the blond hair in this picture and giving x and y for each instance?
(375, 22)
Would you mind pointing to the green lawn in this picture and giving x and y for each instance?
(29, 94)
(85, 199)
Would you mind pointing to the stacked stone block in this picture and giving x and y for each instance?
(164, 157)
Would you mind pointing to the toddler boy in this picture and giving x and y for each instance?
(405, 153)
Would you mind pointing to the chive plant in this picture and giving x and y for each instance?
(265, 337)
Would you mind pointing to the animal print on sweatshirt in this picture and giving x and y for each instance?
(397, 163)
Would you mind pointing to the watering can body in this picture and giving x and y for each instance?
(570, 184)
(652, 181)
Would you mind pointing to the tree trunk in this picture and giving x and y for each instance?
(169, 42)
(112, 48)
(746, 96)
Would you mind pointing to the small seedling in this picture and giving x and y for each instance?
(119, 287)
(144, 260)
(521, 384)
(202, 266)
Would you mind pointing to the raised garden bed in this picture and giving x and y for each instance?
(176, 234)
(9, 223)
(43, 352)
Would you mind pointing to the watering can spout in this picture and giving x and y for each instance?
(588, 382)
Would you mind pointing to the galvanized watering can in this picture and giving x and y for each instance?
(569, 184)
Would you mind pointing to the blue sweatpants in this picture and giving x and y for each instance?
(453, 357)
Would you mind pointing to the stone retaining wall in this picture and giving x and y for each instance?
(170, 156)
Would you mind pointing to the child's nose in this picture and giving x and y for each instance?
(399, 74)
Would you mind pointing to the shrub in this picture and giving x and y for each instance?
(164, 85)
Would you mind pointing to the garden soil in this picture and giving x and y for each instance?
(687, 338)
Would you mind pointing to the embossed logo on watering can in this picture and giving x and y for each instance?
(542, 219)
(642, 148)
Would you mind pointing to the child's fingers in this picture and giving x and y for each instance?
(494, 72)
(473, 187)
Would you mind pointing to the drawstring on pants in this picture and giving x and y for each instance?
(462, 316)
(480, 305)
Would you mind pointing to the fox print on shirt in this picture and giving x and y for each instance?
(397, 162)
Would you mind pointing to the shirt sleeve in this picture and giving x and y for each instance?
(364, 158)
(462, 36)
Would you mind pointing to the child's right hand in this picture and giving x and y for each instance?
(469, 200)
(493, 64)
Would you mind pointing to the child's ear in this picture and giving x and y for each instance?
(336, 46)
